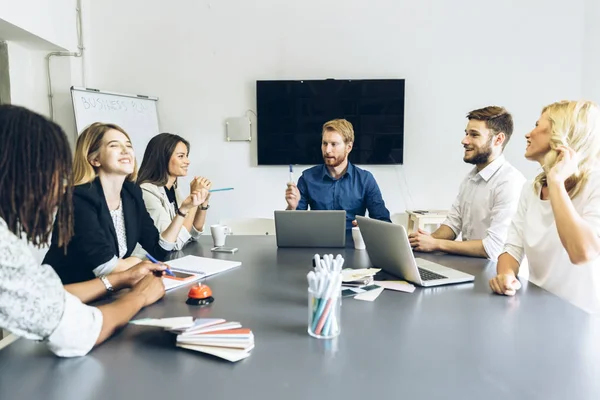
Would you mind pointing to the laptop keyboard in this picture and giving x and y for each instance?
(430, 276)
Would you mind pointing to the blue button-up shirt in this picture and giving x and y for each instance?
(355, 192)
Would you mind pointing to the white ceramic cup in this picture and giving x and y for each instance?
(359, 243)
(219, 233)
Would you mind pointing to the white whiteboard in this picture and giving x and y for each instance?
(136, 114)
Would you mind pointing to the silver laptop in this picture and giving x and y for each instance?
(389, 249)
(310, 228)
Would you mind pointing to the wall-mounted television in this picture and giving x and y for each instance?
(291, 114)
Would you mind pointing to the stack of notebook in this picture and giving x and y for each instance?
(214, 336)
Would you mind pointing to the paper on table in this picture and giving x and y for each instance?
(400, 286)
(202, 265)
(349, 275)
(232, 355)
(170, 323)
(371, 295)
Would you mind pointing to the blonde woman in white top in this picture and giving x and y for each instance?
(165, 160)
(557, 224)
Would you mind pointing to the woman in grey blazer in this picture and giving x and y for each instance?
(165, 160)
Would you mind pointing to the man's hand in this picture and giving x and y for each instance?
(506, 284)
(423, 241)
(292, 196)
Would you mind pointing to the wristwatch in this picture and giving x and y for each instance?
(201, 207)
(181, 214)
(107, 283)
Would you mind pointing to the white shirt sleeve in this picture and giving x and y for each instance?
(106, 268)
(35, 305)
(454, 218)
(77, 330)
(506, 200)
(514, 238)
(591, 210)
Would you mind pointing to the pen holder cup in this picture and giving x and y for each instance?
(324, 315)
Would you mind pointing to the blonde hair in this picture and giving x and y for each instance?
(575, 124)
(88, 148)
(341, 126)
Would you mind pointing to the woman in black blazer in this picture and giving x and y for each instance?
(109, 212)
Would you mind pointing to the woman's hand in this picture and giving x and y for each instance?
(566, 165)
(151, 288)
(139, 271)
(194, 200)
(199, 183)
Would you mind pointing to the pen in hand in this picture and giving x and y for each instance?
(155, 261)
(291, 174)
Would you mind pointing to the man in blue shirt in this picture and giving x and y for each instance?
(338, 184)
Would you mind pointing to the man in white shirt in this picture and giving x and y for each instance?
(488, 195)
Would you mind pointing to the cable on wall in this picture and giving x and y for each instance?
(79, 53)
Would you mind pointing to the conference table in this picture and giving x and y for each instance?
(450, 342)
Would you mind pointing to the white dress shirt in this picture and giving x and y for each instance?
(485, 204)
(533, 233)
(35, 305)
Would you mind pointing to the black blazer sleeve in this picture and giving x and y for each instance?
(148, 235)
(92, 244)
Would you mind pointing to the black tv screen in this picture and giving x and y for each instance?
(291, 115)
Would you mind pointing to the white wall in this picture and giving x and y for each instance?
(52, 21)
(591, 55)
(202, 59)
(51, 27)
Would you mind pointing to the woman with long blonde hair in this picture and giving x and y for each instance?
(557, 223)
(110, 215)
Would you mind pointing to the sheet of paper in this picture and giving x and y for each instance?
(232, 355)
(400, 286)
(349, 275)
(202, 265)
(371, 295)
(165, 322)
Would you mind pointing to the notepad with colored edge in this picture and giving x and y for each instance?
(212, 328)
(238, 333)
(198, 324)
(226, 343)
(232, 355)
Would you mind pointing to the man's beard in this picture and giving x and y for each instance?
(481, 157)
(334, 163)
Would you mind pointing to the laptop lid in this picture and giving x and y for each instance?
(386, 245)
(389, 249)
(301, 228)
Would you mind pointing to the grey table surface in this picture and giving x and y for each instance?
(453, 342)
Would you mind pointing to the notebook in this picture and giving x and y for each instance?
(197, 267)
(215, 336)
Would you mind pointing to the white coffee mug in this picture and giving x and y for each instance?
(359, 243)
(219, 233)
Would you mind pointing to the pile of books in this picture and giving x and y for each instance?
(214, 336)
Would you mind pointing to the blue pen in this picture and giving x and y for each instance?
(220, 190)
(155, 261)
